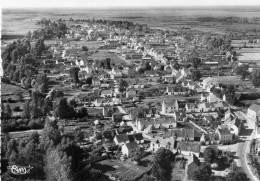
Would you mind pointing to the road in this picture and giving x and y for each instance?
(130, 123)
(18, 134)
(243, 149)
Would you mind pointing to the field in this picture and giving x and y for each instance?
(249, 57)
(102, 54)
(123, 170)
(89, 44)
(8, 89)
(18, 22)
(235, 80)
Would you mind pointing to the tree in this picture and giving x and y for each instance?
(256, 76)
(162, 168)
(237, 176)
(138, 154)
(122, 85)
(79, 136)
(14, 55)
(204, 173)
(84, 48)
(35, 137)
(147, 66)
(42, 83)
(89, 81)
(61, 108)
(242, 70)
(83, 112)
(39, 47)
(26, 109)
(141, 70)
(196, 75)
(210, 154)
(195, 61)
(74, 74)
(7, 111)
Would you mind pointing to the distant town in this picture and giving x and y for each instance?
(98, 99)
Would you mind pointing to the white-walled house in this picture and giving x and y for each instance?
(129, 148)
(225, 136)
(209, 82)
(96, 82)
(121, 139)
(130, 94)
(170, 107)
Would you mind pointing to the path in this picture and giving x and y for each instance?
(18, 134)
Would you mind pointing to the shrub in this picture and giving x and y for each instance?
(16, 108)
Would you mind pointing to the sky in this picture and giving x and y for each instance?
(122, 3)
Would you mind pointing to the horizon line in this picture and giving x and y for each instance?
(136, 7)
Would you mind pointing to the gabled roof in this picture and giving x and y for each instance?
(189, 146)
(191, 105)
(106, 92)
(163, 141)
(254, 107)
(193, 159)
(121, 138)
(224, 131)
(181, 133)
(173, 103)
(208, 79)
(132, 145)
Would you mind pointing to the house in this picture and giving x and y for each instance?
(136, 86)
(96, 82)
(225, 136)
(176, 90)
(209, 82)
(193, 162)
(189, 148)
(156, 123)
(147, 57)
(180, 78)
(253, 111)
(169, 78)
(116, 73)
(257, 129)
(158, 141)
(182, 134)
(130, 94)
(212, 98)
(137, 113)
(106, 93)
(110, 146)
(121, 139)
(235, 126)
(190, 107)
(169, 107)
(129, 148)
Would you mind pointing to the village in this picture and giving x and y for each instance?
(133, 92)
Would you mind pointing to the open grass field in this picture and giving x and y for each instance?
(8, 89)
(89, 44)
(249, 57)
(235, 80)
